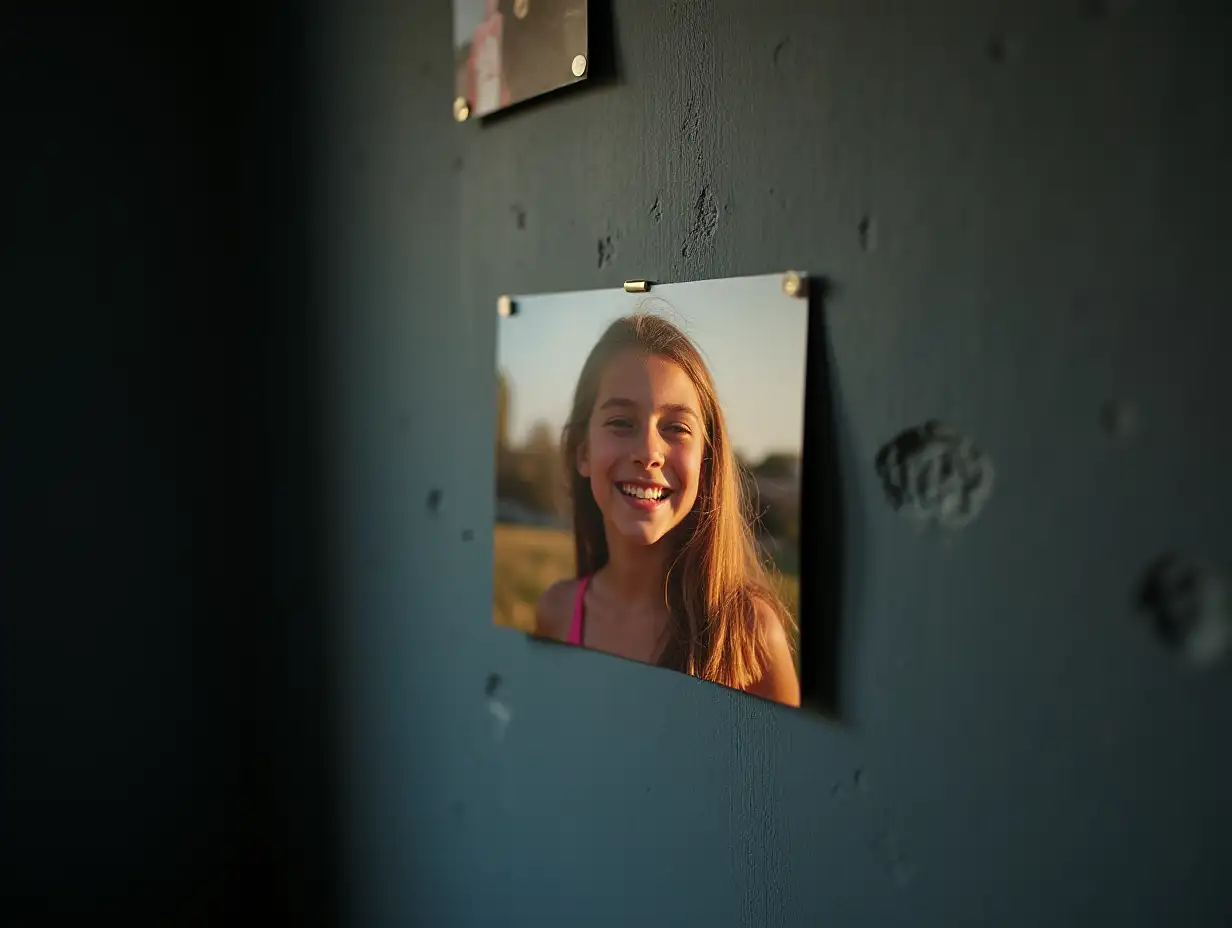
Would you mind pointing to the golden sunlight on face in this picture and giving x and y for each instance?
(644, 446)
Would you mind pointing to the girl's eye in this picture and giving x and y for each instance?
(678, 428)
(619, 423)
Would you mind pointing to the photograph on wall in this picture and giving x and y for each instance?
(648, 473)
(507, 51)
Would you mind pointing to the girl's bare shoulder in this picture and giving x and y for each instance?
(554, 611)
(779, 681)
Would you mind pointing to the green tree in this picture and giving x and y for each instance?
(778, 464)
(781, 520)
(502, 409)
(539, 472)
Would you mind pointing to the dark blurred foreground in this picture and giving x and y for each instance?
(167, 753)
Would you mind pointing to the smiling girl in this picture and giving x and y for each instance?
(668, 570)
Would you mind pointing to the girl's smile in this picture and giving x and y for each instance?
(642, 495)
(644, 446)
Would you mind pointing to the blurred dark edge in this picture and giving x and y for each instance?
(822, 520)
(603, 52)
(169, 736)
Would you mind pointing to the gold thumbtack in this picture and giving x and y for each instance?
(795, 284)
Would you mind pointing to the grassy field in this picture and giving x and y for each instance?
(530, 559)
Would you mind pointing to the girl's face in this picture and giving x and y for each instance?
(644, 446)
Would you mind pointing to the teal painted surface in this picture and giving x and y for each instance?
(1023, 209)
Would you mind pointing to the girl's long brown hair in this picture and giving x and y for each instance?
(716, 577)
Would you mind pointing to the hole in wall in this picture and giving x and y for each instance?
(1119, 419)
(433, 502)
(607, 251)
(1188, 604)
(997, 49)
(933, 473)
(867, 231)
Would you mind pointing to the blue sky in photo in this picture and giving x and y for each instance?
(752, 336)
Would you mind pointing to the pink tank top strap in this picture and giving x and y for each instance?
(575, 627)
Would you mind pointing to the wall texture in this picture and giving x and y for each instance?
(1023, 209)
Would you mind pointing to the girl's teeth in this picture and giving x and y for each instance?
(641, 492)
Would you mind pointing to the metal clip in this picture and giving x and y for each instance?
(795, 284)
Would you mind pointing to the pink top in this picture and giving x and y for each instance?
(575, 627)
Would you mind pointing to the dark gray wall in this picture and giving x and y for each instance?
(250, 271)
(1047, 193)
